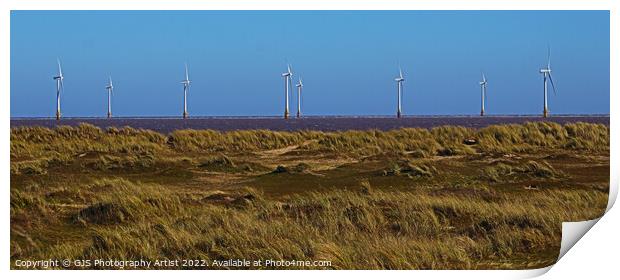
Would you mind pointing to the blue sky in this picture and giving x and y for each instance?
(348, 61)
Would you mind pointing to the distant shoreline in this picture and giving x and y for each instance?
(320, 117)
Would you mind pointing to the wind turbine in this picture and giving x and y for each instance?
(399, 81)
(59, 87)
(109, 87)
(299, 85)
(483, 87)
(547, 75)
(287, 84)
(185, 83)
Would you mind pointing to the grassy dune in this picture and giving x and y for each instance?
(445, 198)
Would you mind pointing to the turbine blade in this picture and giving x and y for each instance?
(59, 68)
(186, 73)
(552, 85)
(548, 57)
(290, 86)
(400, 72)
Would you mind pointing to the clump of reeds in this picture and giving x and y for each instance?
(33, 167)
(219, 163)
(536, 135)
(103, 213)
(121, 163)
(532, 169)
(454, 150)
(410, 169)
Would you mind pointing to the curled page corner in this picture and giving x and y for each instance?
(572, 232)
(532, 273)
(613, 194)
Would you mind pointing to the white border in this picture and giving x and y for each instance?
(8, 5)
(310, 5)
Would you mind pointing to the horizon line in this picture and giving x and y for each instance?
(310, 116)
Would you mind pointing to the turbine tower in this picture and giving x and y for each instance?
(547, 75)
(483, 87)
(287, 85)
(59, 87)
(109, 87)
(299, 85)
(185, 83)
(399, 81)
